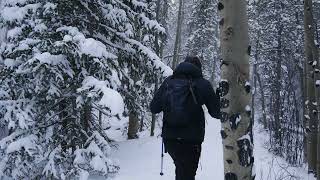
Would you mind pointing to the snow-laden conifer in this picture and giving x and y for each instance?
(63, 61)
(203, 40)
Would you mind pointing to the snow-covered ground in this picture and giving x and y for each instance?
(271, 167)
(140, 159)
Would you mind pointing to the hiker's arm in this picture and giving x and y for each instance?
(157, 101)
(213, 103)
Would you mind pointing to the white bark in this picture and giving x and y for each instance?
(235, 91)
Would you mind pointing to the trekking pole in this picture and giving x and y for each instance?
(162, 155)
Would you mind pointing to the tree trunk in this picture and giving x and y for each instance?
(316, 50)
(163, 21)
(156, 42)
(3, 34)
(154, 117)
(305, 114)
(133, 126)
(100, 119)
(214, 63)
(63, 116)
(235, 91)
(311, 53)
(254, 80)
(258, 79)
(4, 131)
(159, 51)
(277, 104)
(263, 104)
(86, 117)
(177, 44)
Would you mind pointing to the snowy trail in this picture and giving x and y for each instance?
(140, 159)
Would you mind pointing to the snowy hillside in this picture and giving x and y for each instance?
(140, 159)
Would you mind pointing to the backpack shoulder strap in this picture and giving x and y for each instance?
(192, 91)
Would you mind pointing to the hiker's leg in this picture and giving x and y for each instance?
(186, 158)
(195, 160)
(173, 149)
(191, 154)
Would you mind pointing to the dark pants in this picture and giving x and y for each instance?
(186, 158)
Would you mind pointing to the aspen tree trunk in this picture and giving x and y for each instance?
(312, 56)
(177, 43)
(235, 91)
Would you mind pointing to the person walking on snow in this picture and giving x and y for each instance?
(180, 98)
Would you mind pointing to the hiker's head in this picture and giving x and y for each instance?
(194, 60)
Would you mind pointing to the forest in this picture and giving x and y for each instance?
(77, 78)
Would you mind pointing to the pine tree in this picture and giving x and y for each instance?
(203, 39)
(178, 36)
(63, 62)
(278, 59)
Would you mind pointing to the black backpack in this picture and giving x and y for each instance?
(180, 99)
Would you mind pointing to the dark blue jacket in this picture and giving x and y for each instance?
(205, 96)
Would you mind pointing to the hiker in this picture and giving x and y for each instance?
(180, 98)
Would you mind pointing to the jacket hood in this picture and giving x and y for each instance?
(188, 69)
